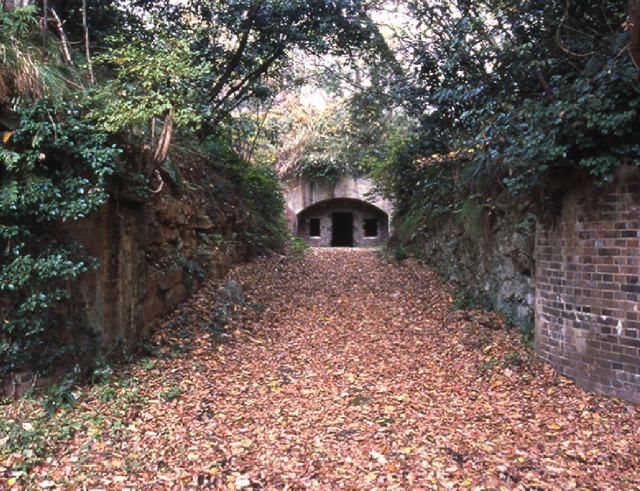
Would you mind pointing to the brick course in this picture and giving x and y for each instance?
(588, 287)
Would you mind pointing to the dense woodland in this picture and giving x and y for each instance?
(458, 110)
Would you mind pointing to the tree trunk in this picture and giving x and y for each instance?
(634, 18)
(87, 50)
(45, 29)
(164, 142)
(64, 40)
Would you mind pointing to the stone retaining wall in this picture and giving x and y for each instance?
(495, 261)
(151, 257)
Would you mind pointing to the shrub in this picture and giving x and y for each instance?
(256, 191)
(52, 171)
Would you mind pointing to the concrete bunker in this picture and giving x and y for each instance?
(343, 222)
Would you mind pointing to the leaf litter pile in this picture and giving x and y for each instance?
(339, 369)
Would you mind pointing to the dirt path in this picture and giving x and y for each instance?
(342, 371)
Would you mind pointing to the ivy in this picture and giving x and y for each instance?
(53, 170)
(508, 101)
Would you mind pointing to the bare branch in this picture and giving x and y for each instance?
(87, 50)
(63, 37)
(559, 41)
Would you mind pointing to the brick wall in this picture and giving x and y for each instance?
(588, 287)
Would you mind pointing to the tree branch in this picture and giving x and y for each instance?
(87, 50)
(252, 76)
(234, 61)
(45, 28)
(164, 142)
(634, 21)
(559, 42)
(63, 37)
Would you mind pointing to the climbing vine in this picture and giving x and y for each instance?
(508, 101)
(54, 170)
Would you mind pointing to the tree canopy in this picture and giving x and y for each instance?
(508, 98)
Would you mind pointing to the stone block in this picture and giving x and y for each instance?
(152, 308)
(200, 223)
(176, 295)
(168, 279)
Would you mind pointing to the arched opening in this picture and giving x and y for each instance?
(343, 222)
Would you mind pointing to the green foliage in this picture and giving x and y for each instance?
(471, 298)
(102, 371)
(333, 148)
(489, 365)
(400, 253)
(61, 395)
(206, 59)
(299, 246)
(521, 94)
(147, 79)
(512, 103)
(23, 73)
(172, 393)
(53, 171)
(257, 191)
(513, 359)
(267, 228)
(26, 438)
(165, 72)
(342, 139)
(470, 215)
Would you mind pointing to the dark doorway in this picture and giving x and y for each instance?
(342, 229)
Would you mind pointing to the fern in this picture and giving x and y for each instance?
(23, 73)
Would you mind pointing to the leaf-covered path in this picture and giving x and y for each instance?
(342, 370)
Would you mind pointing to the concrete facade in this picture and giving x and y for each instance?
(345, 211)
(364, 219)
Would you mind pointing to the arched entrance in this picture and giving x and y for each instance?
(343, 222)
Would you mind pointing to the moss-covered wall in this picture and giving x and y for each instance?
(491, 263)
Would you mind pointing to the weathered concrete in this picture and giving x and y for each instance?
(321, 198)
(300, 193)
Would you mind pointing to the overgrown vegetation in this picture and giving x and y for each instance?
(507, 102)
(22, 71)
(510, 105)
(459, 109)
(339, 139)
(94, 103)
(257, 190)
(54, 171)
